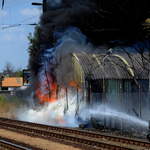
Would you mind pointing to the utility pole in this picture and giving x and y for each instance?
(44, 4)
(108, 53)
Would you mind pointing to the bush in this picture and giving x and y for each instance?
(8, 106)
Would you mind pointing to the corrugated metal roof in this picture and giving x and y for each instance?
(116, 66)
(12, 82)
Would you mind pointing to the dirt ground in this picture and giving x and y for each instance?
(39, 143)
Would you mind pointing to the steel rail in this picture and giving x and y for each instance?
(12, 146)
(85, 133)
(67, 137)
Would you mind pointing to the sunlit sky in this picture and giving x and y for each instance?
(14, 29)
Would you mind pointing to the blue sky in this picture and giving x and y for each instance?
(13, 37)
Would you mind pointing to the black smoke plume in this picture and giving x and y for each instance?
(100, 20)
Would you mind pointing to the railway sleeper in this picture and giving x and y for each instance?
(107, 146)
(95, 136)
(126, 141)
(136, 143)
(108, 138)
(102, 145)
(121, 140)
(147, 145)
(117, 140)
(76, 140)
(84, 141)
(88, 142)
(112, 147)
(72, 139)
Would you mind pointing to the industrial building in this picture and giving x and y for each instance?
(121, 80)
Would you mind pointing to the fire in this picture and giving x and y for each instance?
(60, 120)
(46, 92)
(73, 83)
(49, 91)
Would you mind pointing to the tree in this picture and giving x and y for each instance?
(117, 20)
(9, 69)
(35, 41)
(36, 52)
(19, 73)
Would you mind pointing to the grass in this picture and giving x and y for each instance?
(8, 106)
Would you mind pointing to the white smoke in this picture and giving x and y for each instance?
(52, 113)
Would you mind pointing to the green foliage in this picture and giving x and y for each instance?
(2, 101)
(20, 73)
(11, 75)
(34, 41)
(9, 106)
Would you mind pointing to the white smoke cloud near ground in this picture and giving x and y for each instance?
(51, 113)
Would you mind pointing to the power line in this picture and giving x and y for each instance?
(18, 24)
(16, 4)
(29, 18)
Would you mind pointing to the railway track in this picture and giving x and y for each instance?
(82, 139)
(7, 145)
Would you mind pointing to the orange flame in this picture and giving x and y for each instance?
(73, 83)
(60, 120)
(47, 92)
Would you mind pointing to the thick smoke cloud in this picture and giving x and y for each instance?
(63, 14)
(73, 41)
(100, 20)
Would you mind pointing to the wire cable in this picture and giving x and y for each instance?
(16, 5)
(10, 14)
(18, 24)
(28, 18)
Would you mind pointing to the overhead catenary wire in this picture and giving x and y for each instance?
(10, 15)
(16, 4)
(29, 18)
(19, 23)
